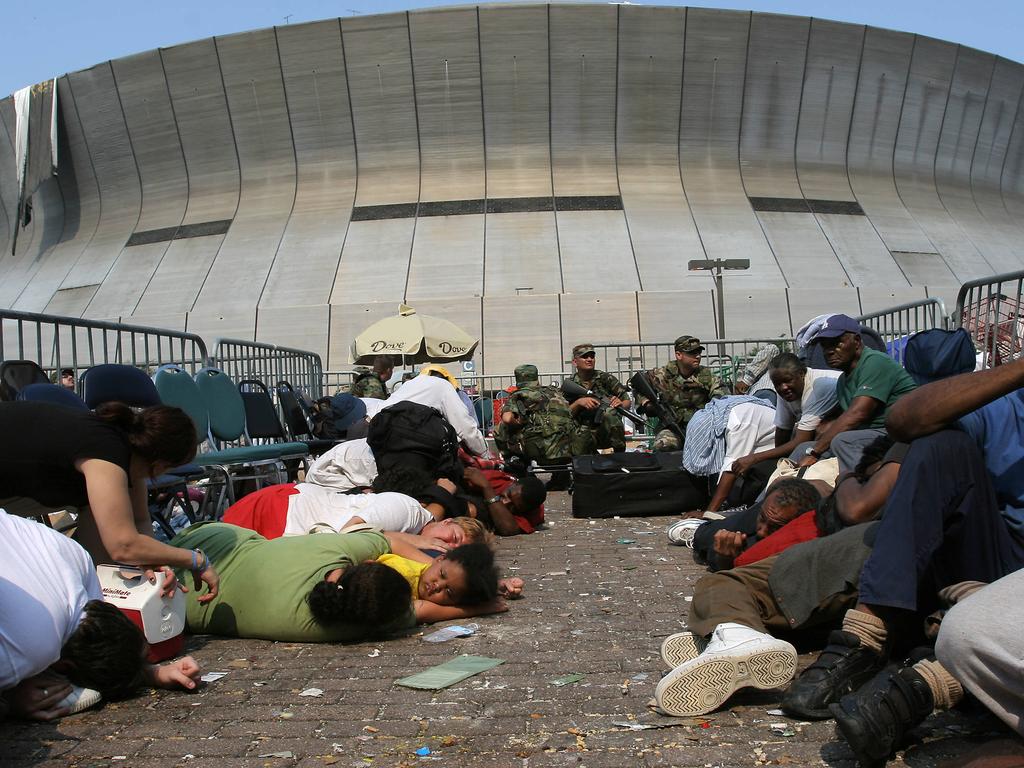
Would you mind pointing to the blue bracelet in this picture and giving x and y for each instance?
(196, 562)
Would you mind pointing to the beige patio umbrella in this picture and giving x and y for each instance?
(417, 338)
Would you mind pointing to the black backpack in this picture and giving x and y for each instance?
(412, 434)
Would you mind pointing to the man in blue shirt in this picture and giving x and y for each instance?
(955, 514)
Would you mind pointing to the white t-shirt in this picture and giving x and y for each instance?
(818, 399)
(440, 394)
(750, 429)
(45, 581)
(316, 506)
(347, 465)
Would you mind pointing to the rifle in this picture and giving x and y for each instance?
(640, 384)
(574, 391)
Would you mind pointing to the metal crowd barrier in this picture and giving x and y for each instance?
(56, 342)
(896, 324)
(990, 310)
(269, 363)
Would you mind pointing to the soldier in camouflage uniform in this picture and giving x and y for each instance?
(685, 386)
(605, 423)
(536, 423)
(374, 383)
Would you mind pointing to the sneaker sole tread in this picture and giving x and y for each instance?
(697, 689)
(681, 647)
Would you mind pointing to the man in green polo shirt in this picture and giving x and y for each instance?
(265, 583)
(868, 386)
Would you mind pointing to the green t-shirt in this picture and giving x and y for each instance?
(264, 584)
(879, 377)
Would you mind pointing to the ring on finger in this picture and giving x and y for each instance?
(46, 692)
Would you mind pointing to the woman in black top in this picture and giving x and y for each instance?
(52, 456)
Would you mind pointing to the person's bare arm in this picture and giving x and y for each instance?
(428, 612)
(862, 409)
(935, 406)
(399, 546)
(790, 439)
(860, 502)
(502, 519)
(181, 673)
(722, 490)
(417, 541)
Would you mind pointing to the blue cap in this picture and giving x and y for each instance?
(834, 326)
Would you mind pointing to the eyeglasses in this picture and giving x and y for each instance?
(587, 356)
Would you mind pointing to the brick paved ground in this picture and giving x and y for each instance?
(595, 604)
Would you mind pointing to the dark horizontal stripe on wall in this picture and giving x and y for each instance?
(491, 205)
(451, 208)
(520, 204)
(376, 212)
(841, 207)
(589, 203)
(202, 229)
(800, 205)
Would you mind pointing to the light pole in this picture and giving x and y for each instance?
(716, 266)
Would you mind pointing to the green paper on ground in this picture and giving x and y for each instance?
(449, 673)
(575, 677)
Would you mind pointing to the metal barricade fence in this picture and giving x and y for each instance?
(896, 324)
(990, 310)
(270, 363)
(56, 342)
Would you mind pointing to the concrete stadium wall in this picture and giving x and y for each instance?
(540, 174)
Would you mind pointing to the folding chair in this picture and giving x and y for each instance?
(15, 375)
(52, 393)
(262, 424)
(296, 419)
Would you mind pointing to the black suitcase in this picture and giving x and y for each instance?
(634, 485)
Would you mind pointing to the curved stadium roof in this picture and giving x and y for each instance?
(540, 174)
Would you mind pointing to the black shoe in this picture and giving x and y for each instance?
(842, 668)
(875, 720)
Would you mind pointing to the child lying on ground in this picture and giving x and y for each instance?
(456, 585)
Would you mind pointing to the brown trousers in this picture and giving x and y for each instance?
(743, 596)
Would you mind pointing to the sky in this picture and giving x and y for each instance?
(45, 40)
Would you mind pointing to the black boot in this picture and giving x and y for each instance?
(842, 668)
(874, 720)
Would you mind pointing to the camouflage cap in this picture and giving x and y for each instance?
(581, 349)
(525, 374)
(689, 344)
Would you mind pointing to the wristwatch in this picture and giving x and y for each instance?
(495, 498)
(811, 452)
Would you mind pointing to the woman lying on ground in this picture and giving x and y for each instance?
(54, 457)
(389, 505)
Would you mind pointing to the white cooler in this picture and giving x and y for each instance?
(162, 620)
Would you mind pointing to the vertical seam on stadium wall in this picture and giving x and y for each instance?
(483, 133)
(419, 160)
(1009, 143)
(739, 158)
(138, 175)
(935, 179)
(99, 197)
(188, 180)
(679, 135)
(551, 172)
(892, 165)
(355, 190)
(295, 187)
(977, 139)
(238, 199)
(615, 149)
(796, 160)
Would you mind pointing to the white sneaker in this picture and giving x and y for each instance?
(736, 657)
(681, 532)
(80, 699)
(682, 647)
